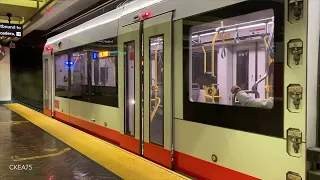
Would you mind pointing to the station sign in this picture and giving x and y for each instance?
(104, 54)
(10, 30)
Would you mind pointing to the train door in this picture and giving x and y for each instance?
(244, 66)
(157, 109)
(129, 46)
(47, 92)
(145, 54)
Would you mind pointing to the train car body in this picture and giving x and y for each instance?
(154, 77)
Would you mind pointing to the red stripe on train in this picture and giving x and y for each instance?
(187, 164)
(157, 154)
(205, 170)
(47, 112)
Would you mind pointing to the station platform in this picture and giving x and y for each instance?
(34, 146)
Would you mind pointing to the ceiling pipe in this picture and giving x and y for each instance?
(9, 17)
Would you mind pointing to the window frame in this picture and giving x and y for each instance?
(126, 125)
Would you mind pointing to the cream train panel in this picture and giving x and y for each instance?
(260, 156)
(63, 105)
(95, 113)
(296, 75)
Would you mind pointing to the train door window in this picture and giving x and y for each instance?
(129, 60)
(235, 41)
(156, 92)
(46, 83)
(61, 75)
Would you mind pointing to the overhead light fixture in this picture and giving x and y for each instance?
(113, 15)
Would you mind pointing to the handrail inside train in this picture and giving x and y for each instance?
(238, 26)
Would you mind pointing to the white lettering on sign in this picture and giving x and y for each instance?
(3, 26)
(6, 33)
(10, 30)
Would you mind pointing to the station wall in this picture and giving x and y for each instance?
(5, 80)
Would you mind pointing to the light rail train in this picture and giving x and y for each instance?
(155, 78)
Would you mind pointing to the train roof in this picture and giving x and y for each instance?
(106, 25)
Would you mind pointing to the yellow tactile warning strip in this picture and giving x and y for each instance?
(123, 163)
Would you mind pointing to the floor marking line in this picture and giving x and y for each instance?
(19, 122)
(14, 122)
(17, 158)
(50, 150)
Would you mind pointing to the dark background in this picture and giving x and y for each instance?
(26, 70)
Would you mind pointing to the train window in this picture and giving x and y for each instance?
(61, 74)
(156, 90)
(89, 73)
(103, 71)
(129, 60)
(232, 60)
(79, 76)
(232, 46)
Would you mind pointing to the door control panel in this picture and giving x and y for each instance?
(295, 11)
(295, 51)
(294, 141)
(294, 98)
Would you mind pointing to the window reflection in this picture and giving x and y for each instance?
(61, 75)
(104, 72)
(104, 57)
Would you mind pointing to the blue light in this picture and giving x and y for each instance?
(95, 55)
(68, 62)
(66, 68)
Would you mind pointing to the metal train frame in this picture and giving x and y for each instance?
(204, 139)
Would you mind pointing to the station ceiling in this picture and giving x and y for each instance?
(40, 15)
(21, 11)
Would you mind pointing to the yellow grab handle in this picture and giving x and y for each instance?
(212, 53)
(155, 108)
(204, 59)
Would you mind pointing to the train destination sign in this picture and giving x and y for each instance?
(10, 30)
